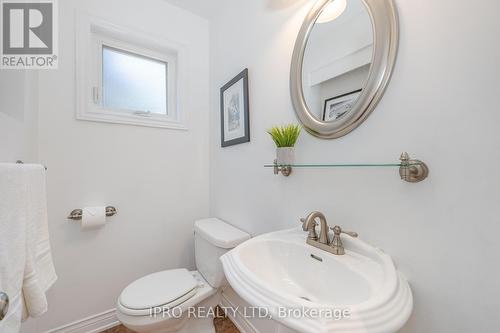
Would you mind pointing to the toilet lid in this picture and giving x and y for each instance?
(157, 289)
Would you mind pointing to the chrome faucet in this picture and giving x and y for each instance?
(334, 246)
(309, 224)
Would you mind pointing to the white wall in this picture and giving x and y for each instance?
(156, 178)
(441, 106)
(18, 115)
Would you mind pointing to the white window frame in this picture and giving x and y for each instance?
(171, 65)
(92, 35)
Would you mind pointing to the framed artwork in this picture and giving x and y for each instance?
(336, 107)
(235, 120)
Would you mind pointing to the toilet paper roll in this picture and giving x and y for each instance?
(93, 217)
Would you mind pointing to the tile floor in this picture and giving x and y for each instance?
(222, 324)
(118, 329)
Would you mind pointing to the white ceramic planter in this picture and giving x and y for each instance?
(285, 155)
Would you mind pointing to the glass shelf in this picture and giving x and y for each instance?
(410, 170)
(343, 165)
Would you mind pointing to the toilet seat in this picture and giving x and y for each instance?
(166, 289)
(165, 322)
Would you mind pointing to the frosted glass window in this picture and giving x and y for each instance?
(132, 82)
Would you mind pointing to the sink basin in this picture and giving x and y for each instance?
(311, 290)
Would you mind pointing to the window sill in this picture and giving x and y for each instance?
(131, 119)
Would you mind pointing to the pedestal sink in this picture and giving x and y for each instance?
(311, 290)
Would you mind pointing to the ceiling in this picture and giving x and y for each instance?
(204, 8)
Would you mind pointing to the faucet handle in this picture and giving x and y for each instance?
(338, 230)
(303, 221)
(351, 233)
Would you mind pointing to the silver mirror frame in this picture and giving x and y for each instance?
(385, 27)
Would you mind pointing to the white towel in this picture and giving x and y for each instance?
(26, 267)
(12, 242)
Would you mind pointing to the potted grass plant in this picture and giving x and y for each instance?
(285, 138)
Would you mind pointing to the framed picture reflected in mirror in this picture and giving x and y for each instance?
(338, 106)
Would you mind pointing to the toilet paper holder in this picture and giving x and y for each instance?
(76, 214)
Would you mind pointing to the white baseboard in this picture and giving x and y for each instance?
(93, 324)
(108, 319)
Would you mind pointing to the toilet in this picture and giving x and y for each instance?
(179, 289)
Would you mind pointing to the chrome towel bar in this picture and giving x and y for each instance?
(76, 214)
(21, 162)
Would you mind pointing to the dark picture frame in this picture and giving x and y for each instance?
(234, 111)
(342, 101)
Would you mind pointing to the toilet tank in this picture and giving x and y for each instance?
(213, 238)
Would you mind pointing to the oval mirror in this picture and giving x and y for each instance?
(342, 62)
